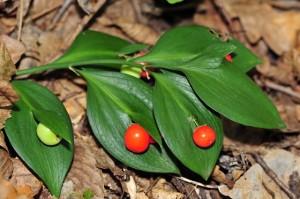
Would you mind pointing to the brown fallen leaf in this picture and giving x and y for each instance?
(15, 48)
(208, 15)
(282, 72)
(7, 67)
(7, 97)
(289, 112)
(22, 176)
(9, 191)
(6, 165)
(84, 173)
(138, 32)
(260, 20)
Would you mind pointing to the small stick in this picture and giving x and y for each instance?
(273, 175)
(283, 89)
(44, 12)
(86, 19)
(20, 19)
(62, 10)
(198, 183)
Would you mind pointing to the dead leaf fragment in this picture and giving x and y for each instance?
(15, 48)
(7, 67)
(138, 32)
(7, 97)
(9, 191)
(84, 173)
(6, 164)
(259, 20)
(23, 177)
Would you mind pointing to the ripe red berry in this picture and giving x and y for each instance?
(145, 75)
(204, 136)
(229, 58)
(136, 139)
(152, 141)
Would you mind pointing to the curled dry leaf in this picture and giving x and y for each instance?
(263, 23)
(85, 159)
(15, 48)
(7, 67)
(255, 183)
(22, 177)
(7, 97)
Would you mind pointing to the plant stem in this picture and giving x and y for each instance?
(110, 63)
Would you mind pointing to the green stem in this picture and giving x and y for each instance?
(111, 63)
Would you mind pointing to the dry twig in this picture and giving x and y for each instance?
(198, 183)
(60, 13)
(283, 89)
(86, 19)
(20, 16)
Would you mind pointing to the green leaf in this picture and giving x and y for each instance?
(114, 100)
(174, 1)
(89, 48)
(180, 45)
(50, 163)
(233, 94)
(46, 107)
(243, 58)
(132, 48)
(211, 57)
(176, 109)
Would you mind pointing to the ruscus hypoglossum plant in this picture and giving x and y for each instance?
(195, 78)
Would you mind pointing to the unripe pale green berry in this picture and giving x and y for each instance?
(132, 71)
(46, 135)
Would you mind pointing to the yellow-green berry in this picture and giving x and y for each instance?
(46, 135)
(131, 70)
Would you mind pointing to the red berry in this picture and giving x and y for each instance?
(229, 58)
(136, 139)
(145, 75)
(204, 136)
(152, 141)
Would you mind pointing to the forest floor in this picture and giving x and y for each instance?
(254, 163)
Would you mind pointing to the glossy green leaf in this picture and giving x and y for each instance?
(114, 101)
(243, 58)
(46, 107)
(50, 163)
(211, 57)
(132, 48)
(174, 1)
(89, 48)
(234, 95)
(180, 45)
(176, 110)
